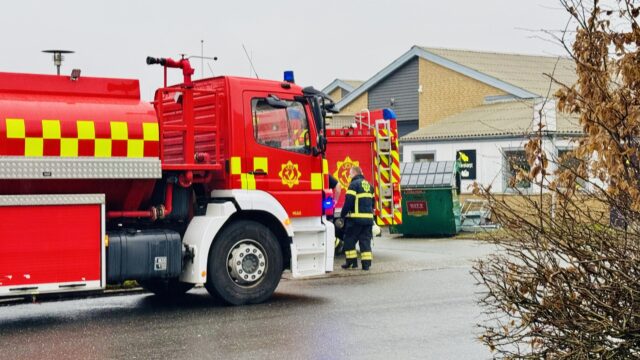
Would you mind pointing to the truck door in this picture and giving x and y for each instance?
(278, 142)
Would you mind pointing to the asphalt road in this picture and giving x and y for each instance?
(418, 302)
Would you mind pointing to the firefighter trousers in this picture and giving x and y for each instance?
(356, 233)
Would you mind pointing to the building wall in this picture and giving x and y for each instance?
(489, 157)
(336, 94)
(398, 91)
(445, 92)
(358, 104)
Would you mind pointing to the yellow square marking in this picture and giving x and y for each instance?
(51, 129)
(236, 165)
(248, 181)
(102, 148)
(261, 163)
(69, 147)
(243, 181)
(316, 181)
(251, 182)
(119, 130)
(325, 166)
(135, 148)
(86, 130)
(150, 132)
(33, 147)
(15, 128)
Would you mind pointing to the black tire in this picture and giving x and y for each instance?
(170, 288)
(225, 283)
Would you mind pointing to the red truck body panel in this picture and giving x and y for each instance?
(346, 148)
(358, 146)
(37, 250)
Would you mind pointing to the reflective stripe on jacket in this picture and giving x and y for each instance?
(358, 203)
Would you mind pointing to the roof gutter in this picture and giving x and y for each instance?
(483, 137)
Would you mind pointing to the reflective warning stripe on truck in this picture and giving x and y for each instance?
(248, 179)
(84, 138)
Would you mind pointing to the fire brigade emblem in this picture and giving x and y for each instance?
(342, 171)
(290, 174)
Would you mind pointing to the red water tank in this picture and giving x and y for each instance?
(63, 135)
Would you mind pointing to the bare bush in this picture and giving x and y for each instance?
(566, 283)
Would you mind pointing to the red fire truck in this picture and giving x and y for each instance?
(98, 187)
(370, 142)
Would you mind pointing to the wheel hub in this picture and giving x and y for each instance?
(247, 262)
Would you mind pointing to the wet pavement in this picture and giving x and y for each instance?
(418, 302)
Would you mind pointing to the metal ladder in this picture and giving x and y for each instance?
(383, 169)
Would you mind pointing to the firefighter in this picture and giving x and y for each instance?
(334, 185)
(357, 213)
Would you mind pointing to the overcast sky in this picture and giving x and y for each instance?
(319, 40)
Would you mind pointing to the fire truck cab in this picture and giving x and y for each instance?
(218, 182)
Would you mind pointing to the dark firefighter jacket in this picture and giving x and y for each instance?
(358, 203)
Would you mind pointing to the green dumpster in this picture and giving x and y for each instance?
(430, 205)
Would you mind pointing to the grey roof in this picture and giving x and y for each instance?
(502, 119)
(348, 85)
(524, 71)
(519, 75)
(428, 174)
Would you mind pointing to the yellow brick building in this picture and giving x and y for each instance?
(426, 85)
(482, 104)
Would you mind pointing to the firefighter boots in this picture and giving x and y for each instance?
(352, 259)
(350, 264)
(366, 264)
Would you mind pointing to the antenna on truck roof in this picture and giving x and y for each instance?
(58, 57)
(250, 61)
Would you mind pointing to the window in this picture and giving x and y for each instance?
(281, 128)
(514, 162)
(424, 156)
(568, 162)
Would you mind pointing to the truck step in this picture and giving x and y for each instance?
(309, 228)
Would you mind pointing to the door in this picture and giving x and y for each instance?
(279, 141)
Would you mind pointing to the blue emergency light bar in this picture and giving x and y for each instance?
(288, 76)
(388, 114)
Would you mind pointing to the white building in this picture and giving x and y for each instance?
(492, 138)
(482, 103)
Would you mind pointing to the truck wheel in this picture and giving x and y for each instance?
(166, 288)
(245, 264)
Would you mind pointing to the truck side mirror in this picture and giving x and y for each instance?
(331, 107)
(322, 146)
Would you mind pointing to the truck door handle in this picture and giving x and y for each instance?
(258, 172)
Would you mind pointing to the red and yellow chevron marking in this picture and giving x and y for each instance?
(388, 174)
(80, 138)
(397, 217)
(384, 218)
(376, 183)
(382, 163)
(395, 173)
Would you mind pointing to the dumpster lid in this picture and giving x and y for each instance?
(428, 174)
